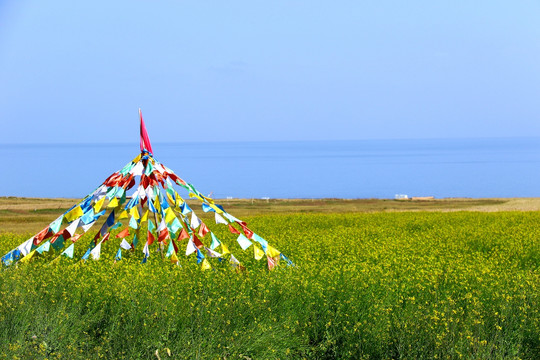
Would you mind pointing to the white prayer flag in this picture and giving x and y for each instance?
(125, 245)
(195, 222)
(220, 219)
(96, 252)
(190, 248)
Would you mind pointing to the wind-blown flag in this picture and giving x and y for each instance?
(145, 140)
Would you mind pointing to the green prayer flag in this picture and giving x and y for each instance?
(215, 242)
(151, 225)
(170, 249)
(56, 224)
(69, 251)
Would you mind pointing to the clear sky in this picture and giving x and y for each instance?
(75, 71)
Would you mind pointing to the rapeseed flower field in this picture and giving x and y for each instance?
(417, 285)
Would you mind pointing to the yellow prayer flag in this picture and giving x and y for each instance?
(134, 212)
(157, 205)
(224, 249)
(28, 256)
(174, 258)
(136, 159)
(258, 253)
(74, 214)
(218, 210)
(144, 217)
(210, 200)
(98, 205)
(192, 195)
(272, 252)
(123, 215)
(169, 215)
(179, 200)
(113, 203)
(206, 265)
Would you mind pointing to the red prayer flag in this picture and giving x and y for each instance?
(183, 235)
(233, 229)
(197, 242)
(122, 234)
(271, 262)
(145, 140)
(76, 237)
(203, 230)
(163, 234)
(43, 234)
(247, 231)
(66, 234)
(151, 238)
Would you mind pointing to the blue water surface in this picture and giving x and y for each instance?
(502, 167)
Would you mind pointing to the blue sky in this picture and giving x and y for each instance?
(268, 70)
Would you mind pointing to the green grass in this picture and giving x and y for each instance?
(414, 285)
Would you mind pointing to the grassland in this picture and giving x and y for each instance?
(374, 279)
(29, 215)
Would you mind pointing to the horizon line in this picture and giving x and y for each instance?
(272, 141)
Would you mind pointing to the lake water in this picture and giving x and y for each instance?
(314, 169)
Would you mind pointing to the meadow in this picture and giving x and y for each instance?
(375, 285)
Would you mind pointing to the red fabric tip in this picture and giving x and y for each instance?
(145, 140)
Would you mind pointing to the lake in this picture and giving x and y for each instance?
(498, 167)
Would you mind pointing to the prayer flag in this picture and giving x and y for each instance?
(146, 251)
(134, 212)
(190, 249)
(215, 241)
(125, 245)
(123, 234)
(243, 241)
(258, 253)
(169, 215)
(272, 252)
(271, 262)
(195, 222)
(73, 226)
(233, 230)
(133, 223)
(28, 256)
(197, 242)
(96, 252)
(144, 217)
(75, 237)
(212, 253)
(69, 251)
(206, 265)
(203, 230)
(56, 224)
(183, 235)
(113, 203)
(175, 225)
(224, 249)
(74, 214)
(174, 258)
(151, 238)
(44, 247)
(220, 219)
(99, 204)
